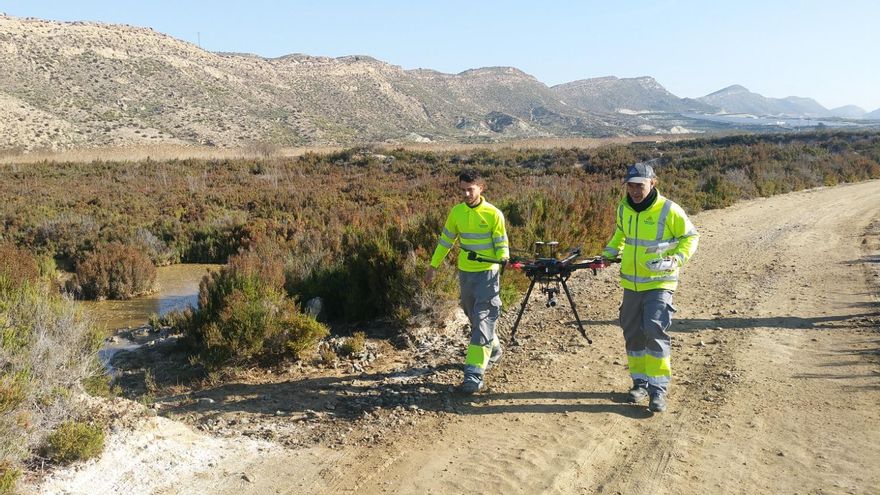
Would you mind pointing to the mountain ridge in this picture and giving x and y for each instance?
(94, 84)
(623, 95)
(738, 99)
(84, 84)
(849, 112)
(875, 115)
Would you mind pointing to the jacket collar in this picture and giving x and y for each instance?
(657, 203)
(479, 203)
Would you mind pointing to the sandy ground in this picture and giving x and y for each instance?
(776, 386)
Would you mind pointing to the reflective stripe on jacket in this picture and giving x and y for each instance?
(479, 229)
(639, 237)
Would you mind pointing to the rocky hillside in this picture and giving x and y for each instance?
(628, 96)
(737, 99)
(85, 84)
(82, 83)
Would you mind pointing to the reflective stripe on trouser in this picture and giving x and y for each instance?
(645, 318)
(481, 303)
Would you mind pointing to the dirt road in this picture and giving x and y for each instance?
(776, 387)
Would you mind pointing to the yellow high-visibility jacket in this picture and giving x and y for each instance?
(480, 229)
(639, 237)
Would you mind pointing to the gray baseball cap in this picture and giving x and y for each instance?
(640, 172)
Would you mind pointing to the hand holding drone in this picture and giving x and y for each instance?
(550, 273)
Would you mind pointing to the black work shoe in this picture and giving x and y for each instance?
(471, 384)
(636, 395)
(658, 403)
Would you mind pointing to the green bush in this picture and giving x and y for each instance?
(74, 441)
(116, 271)
(720, 192)
(353, 345)
(371, 275)
(379, 277)
(8, 476)
(244, 314)
(246, 323)
(100, 384)
(212, 244)
(303, 332)
(154, 321)
(168, 319)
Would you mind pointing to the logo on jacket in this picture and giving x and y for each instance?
(650, 221)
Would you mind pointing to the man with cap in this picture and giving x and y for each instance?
(653, 238)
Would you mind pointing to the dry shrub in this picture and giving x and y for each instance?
(16, 266)
(263, 149)
(156, 249)
(264, 260)
(47, 350)
(13, 390)
(327, 356)
(116, 271)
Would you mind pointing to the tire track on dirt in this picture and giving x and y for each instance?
(745, 281)
(761, 436)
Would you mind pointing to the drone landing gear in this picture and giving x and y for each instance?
(551, 292)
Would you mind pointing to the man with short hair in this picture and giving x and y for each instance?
(654, 238)
(478, 227)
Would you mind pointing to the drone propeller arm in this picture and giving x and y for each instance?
(544, 271)
(473, 256)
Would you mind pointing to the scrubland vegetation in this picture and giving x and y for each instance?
(245, 313)
(116, 271)
(355, 227)
(47, 359)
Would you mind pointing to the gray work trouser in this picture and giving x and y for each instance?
(481, 303)
(645, 318)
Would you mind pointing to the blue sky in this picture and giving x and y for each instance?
(820, 49)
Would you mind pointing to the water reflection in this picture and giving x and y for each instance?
(178, 288)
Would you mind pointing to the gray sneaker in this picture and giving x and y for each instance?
(497, 352)
(658, 402)
(471, 384)
(637, 394)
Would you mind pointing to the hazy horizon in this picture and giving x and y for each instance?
(806, 49)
